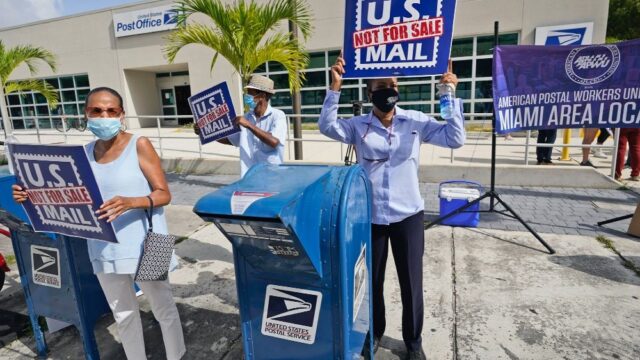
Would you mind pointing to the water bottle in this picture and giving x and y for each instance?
(446, 92)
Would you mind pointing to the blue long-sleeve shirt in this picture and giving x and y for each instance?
(391, 156)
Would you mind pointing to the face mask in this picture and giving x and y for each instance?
(385, 99)
(250, 102)
(104, 128)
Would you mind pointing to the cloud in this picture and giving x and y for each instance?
(17, 12)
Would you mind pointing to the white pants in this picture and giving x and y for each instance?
(118, 289)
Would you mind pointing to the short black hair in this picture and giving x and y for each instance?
(104, 89)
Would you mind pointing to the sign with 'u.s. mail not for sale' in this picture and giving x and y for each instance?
(213, 113)
(63, 194)
(385, 38)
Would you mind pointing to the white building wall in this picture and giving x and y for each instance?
(86, 43)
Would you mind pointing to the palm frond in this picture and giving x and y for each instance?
(238, 33)
(199, 34)
(12, 58)
(281, 49)
(49, 92)
(298, 11)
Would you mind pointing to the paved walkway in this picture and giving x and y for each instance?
(490, 292)
(548, 210)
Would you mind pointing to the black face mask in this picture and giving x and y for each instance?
(385, 99)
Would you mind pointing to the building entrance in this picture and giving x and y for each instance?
(182, 103)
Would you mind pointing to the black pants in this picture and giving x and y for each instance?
(407, 245)
(546, 137)
(604, 135)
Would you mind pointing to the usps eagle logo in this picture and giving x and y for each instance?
(291, 313)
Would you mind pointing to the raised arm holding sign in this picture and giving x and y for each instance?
(261, 132)
(387, 142)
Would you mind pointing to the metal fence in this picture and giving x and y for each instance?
(291, 139)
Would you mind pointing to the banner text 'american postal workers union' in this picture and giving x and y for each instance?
(549, 87)
(62, 191)
(213, 113)
(385, 38)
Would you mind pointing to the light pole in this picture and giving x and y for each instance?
(6, 122)
(296, 104)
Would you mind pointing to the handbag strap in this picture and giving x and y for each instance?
(150, 213)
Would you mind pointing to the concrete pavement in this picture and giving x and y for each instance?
(490, 292)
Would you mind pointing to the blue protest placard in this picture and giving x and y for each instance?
(550, 87)
(63, 193)
(385, 38)
(213, 113)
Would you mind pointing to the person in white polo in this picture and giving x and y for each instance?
(263, 129)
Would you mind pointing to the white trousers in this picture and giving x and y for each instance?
(120, 294)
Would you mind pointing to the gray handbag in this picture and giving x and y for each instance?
(156, 254)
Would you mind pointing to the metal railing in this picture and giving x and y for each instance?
(291, 139)
(488, 118)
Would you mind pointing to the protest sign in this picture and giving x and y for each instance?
(549, 87)
(213, 113)
(63, 193)
(385, 38)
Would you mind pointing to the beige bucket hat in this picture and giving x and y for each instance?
(261, 83)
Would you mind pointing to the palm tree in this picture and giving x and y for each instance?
(239, 34)
(11, 59)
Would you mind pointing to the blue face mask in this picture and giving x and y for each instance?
(104, 128)
(250, 101)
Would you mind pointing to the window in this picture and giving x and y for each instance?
(26, 106)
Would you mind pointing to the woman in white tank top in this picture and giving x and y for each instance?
(127, 170)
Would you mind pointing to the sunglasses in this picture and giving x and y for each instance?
(95, 111)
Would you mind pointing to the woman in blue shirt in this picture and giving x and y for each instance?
(387, 143)
(128, 172)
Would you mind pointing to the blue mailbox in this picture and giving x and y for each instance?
(301, 238)
(56, 275)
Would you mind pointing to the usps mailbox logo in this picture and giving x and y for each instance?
(397, 37)
(45, 266)
(291, 313)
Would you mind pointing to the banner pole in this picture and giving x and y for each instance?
(493, 130)
(492, 194)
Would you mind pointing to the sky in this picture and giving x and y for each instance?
(18, 12)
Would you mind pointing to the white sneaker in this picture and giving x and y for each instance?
(599, 154)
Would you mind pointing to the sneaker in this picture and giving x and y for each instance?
(587, 163)
(540, 162)
(634, 178)
(618, 178)
(416, 355)
(548, 162)
(599, 154)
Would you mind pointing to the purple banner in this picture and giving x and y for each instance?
(549, 87)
